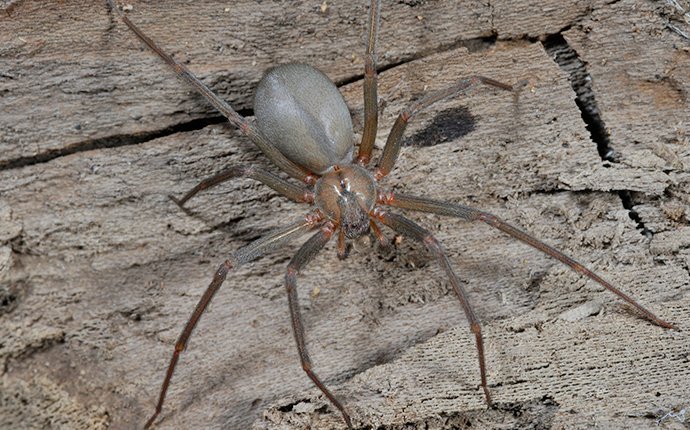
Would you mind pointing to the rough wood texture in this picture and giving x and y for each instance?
(99, 270)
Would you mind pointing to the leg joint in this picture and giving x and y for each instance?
(385, 197)
(311, 179)
(308, 197)
(432, 244)
(244, 126)
(328, 228)
(488, 218)
(229, 264)
(314, 218)
(223, 270)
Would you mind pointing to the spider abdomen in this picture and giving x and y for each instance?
(304, 115)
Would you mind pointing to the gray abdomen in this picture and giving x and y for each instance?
(302, 112)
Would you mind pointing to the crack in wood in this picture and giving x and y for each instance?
(113, 141)
(581, 81)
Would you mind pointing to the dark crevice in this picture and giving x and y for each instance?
(473, 45)
(290, 406)
(581, 81)
(629, 204)
(10, 296)
(110, 142)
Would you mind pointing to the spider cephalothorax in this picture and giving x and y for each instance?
(347, 195)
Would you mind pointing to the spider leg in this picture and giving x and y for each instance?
(460, 211)
(394, 140)
(245, 127)
(384, 243)
(371, 109)
(406, 227)
(244, 255)
(303, 256)
(293, 192)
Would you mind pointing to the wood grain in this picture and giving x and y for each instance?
(99, 269)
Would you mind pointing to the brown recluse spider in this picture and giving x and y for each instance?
(304, 127)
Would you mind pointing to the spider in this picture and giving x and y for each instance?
(304, 127)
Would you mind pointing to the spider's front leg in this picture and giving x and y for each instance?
(370, 83)
(245, 126)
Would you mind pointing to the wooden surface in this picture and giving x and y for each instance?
(99, 269)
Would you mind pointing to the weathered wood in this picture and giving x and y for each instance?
(99, 269)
